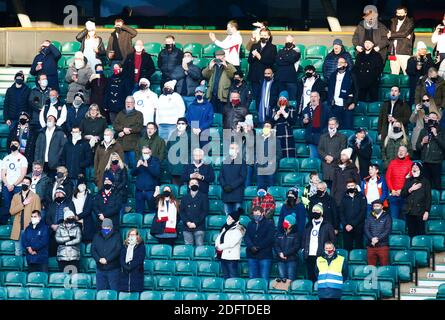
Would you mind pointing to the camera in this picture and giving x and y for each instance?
(217, 61)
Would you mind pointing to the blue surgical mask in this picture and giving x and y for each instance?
(257, 218)
(53, 99)
(261, 193)
(394, 98)
(106, 231)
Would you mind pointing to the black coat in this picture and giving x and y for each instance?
(190, 79)
(418, 201)
(98, 89)
(118, 88)
(330, 213)
(76, 158)
(52, 208)
(67, 186)
(367, 68)
(273, 97)
(147, 67)
(14, 133)
(312, 135)
(257, 67)
(233, 176)
(289, 244)
(108, 247)
(120, 184)
(111, 209)
(341, 178)
(74, 117)
(285, 65)
(244, 91)
(88, 225)
(57, 143)
(232, 115)
(167, 62)
(348, 91)
(353, 210)
(205, 170)
(49, 58)
(261, 236)
(16, 101)
(319, 86)
(132, 273)
(326, 233)
(194, 210)
(37, 99)
(147, 178)
(93, 127)
(363, 153)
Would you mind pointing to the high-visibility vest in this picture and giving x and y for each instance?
(330, 276)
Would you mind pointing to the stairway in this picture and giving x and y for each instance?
(7, 77)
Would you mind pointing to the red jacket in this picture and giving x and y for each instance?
(397, 172)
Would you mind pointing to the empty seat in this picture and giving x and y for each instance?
(70, 48)
(194, 48)
(152, 48)
(208, 268)
(84, 294)
(58, 280)
(204, 252)
(17, 293)
(37, 279)
(132, 220)
(358, 256)
(80, 280)
(150, 295)
(301, 287)
(172, 295)
(167, 283)
(62, 294)
(212, 284)
(257, 285)
(11, 263)
(183, 252)
(14, 278)
(399, 241)
(39, 293)
(189, 283)
(215, 222)
(316, 52)
(234, 285)
(106, 295)
(160, 251)
(128, 295)
(208, 51)
(7, 247)
(166, 267)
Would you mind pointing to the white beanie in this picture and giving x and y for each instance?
(90, 26)
(348, 152)
(421, 45)
(170, 84)
(68, 214)
(144, 80)
(249, 120)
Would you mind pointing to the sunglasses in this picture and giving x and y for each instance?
(425, 100)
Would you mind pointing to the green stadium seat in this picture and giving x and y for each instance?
(149, 282)
(14, 278)
(257, 285)
(53, 266)
(58, 280)
(422, 247)
(398, 226)
(193, 28)
(37, 279)
(245, 220)
(235, 285)
(204, 252)
(244, 65)
(237, 296)
(106, 295)
(438, 243)
(165, 267)
(212, 284)
(12, 263)
(399, 241)
(302, 150)
(148, 266)
(57, 44)
(208, 51)
(160, 251)
(128, 296)
(278, 193)
(250, 193)
(291, 179)
(172, 295)
(361, 122)
(183, 252)
(189, 283)
(404, 81)
(215, 192)
(173, 27)
(131, 220)
(84, 294)
(7, 247)
(355, 298)
(39, 293)
(148, 220)
(194, 48)
(405, 261)
(342, 252)
(441, 291)
(360, 108)
(310, 164)
(388, 273)
(80, 280)
(435, 227)
(361, 272)
(167, 283)
(316, 52)
(389, 80)
(70, 48)
(288, 165)
(3, 293)
(368, 288)
(358, 256)
(61, 294)
(150, 295)
(281, 297)
(215, 222)
(202, 63)
(4, 130)
(17, 293)
(349, 287)
(208, 268)
(152, 48)
(374, 108)
(373, 123)
(217, 120)
(302, 287)
(216, 207)
(435, 194)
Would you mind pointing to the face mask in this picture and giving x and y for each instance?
(291, 199)
(397, 129)
(232, 153)
(194, 188)
(23, 121)
(237, 82)
(108, 186)
(116, 72)
(132, 240)
(229, 222)
(261, 193)
(187, 60)
(13, 148)
(329, 252)
(257, 218)
(138, 48)
(199, 97)
(316, 215)
(44, 50)
(35, 221)
(142, 86)
(70, 221)
(43, 83)
(309, 74)
(105, 232)
(393, 98)
(37, 173)
(378, 211)
(99, 72)
(266, 131)
(145, 156)
(81, 187)
(286, 225)
(53, 100)
(25, 187)
(169, 46)
(107, 139)
(59, 175)
(79, 64)
(320, 193)
(181, 127)
(288, 45)
(76, 136)
(167, 91)
(167, 194)
(400, 18)
(236, 102)
(19, 81)
(91, 33)
(432, 123)
(332, 131)
(341, 68)
(115, 162)
(264, 40)
(351, 190)
(60, 199)
(77, 103)
(267, 78)
(118, 29)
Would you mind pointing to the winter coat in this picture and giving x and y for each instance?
(319, 86)
(404, 45)
(123, 43)
(132, 273)
(83, 75)
(379, 36)
(326, 233)
(118, 88)
(284, 132)
(401, 112)
(353, 210)
(257, 67)
(381, 186)
(56, 145)
(205, 170)
(274, 92)
(16, 101)
(332, 147)
(181, 144)
(147, 178)
(389, 152)
(233, 176)
(76, 157)
(134, 121)
(120, 183)
(312, 135)
(234, 114)
(156, 144)
(260, 236)
(419, 201)
(378, 228)
(202, 113)
(38, 240)
(341, 177)
(224, 82)
(434, 151)
(299, 212)
(361, 154)
(49, 58)
(244, 91)
(110, 209)
(288, 244)
(331, 61)
(194, 209)
(439, 95)
(37, 99)
(22, 213)
(367, 68)
(98, 89)
(285, 65)
(101, 158)
(348, 91)
(147, 67)
(75, 116)
(67, 186)
(231, 248)
(108, 247)
(53, 207)
(88, 224)
(101, 55)
(396, 173)
(171, 107)
(68, 240)
(93, 127)
(41, 188)
(330, 212)
(190, 78)
(30, 135)
(414, 74)
(167, 62)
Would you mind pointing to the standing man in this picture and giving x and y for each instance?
(231, 44)
(119, 43)
(16, 100)
(35, 241)
(168, 59)
(378, 227)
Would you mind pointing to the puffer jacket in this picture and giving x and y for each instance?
(331, 60)
(289, 244)
(168, 61)
(389, 152)
(397, 172)
(434, 151)
(190, 79)
(231, 248)
(380, 228)
(83, 76)
(68, 239)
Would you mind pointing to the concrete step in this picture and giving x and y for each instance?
(440, 267)
(423, 290)
(430, 282)
(9, 78)
(416, 297)
(13, 71)
(436, 275)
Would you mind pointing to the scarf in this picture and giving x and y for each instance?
(105, 196)
(167, 213)
(395, 136)
(23, 135)
(129, 255)
(224, 230)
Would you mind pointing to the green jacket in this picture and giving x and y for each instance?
(156, 144)
(224, 83)
(135, 122)
(434, 151)
(390, 151)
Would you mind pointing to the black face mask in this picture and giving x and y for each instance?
(23, 121)
(167, 91)
(199, 97)
(59, 175)
(169, 46)
(264, 40)
(19, 81)
(142, 86)
(194, 188)
(289, 45)
(291, 200)
(267, 78)
(351, 190)
(25, 187)
(167, 194)
(237, 82)
(60, 199)
(400, 18)
(320, 193)
(432, 123)
(316, 215)
(108, 186)
(118, 29)
(115, 162)
(397, 129)
(13, 148)
(309, 74)
(342, 68)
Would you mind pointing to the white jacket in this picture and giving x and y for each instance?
(232, 47)
(147, 103)
(441, 71)
(231, 248)
(439, 40)
(171, 107)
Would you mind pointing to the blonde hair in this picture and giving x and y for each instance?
(391, 132)
(121, 163)
(88, 114)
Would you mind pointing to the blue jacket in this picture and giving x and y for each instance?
(89, 223)
(49, 58)
(201, 112)
(132, 273)
(147, 178)
(205, 170)
(38, 239)
(108, 247)
(298, 211)
(233, 176)
(74, 118)
(331, 60)
(261, 236)
(348, 91)
(312, 135)
(76, 158)
(194, 210)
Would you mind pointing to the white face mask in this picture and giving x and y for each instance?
(332, 131)
(107, 139)
(138, 48)
(35, 221)
(132, 240)
(187, 60)
(180, 127)
(81, 187)
(232, 153)
(79, 64)
(145, 156)
(76, 136)
(43, 84)
(77, 103)
(50, 124)
(416, 174)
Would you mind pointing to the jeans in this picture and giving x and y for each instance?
(107, 280)
(130, 159)
(165, 130)
(18, 245)
(6, 203)
(395, 206)
(287, 270)
(264, 181)
(344, 116)
(194, 238)
(229, 268)
(313, 151)
(141, 198)
(259, 268)
(250, 174)
(230, 207)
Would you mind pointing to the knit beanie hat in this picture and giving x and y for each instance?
(318, 208)
(290, 219)
(236, 214)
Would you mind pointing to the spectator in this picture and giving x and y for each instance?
(147, 173)
(417, 67)
(344, 171)
(241, 86)
(371, 28)
(55, 107)
(286, 73)
(228, 244)
(106, 249)
(266, 201)
(93, 126)
(13, 171)
(78, 75)
(164, 226)
(76, 112)
(188, 77)
(316, 233)
(396, 137)
(433, 86)
(330, 211)
(255, 38)
(331, 61)
(378, 227)
(108, 203)
(103, 152)
(292, 207)
(199, 170)
(45, 62)
(92, 45)
(315, 120)
(35, 242)
(23, 133)
(245, 137)
(83, 203)
(367, 69)
(284, 118)
(396, 174)
(374, 187)
(118, 89)
(23, 204)
(37, 100)
(153, 141)
(119, 44)
(431, 144)
(231, 178)
(68, 237)
(310, 84)
(218, 74)
(329, 149)
(261, 57)
(193, 211)
(401, 37)
(97, 84)
(395, 109)
(178, 151)
(138, 65)
(343, 89)
(199, 112)
(259, 239)
(132, 263)
(39, 185)
(16, 100)
(287, 244)
(438, 38)
(361, 145)
(171, 107)
(267, 96)
(117, 169)
(76, 155)
(128, 125)
(231, 44)
(168, 59)
(61, 180)
(417, 195)
(234, 111)
(310, 189)
(352, 216)
(331, 270)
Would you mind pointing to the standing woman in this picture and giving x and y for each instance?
(132, 263)
(93, 126)
(83, 202)
(166, 219)
(396, 137)
(417, 195)
(284, 119)
(92, 45)
(117, 168)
